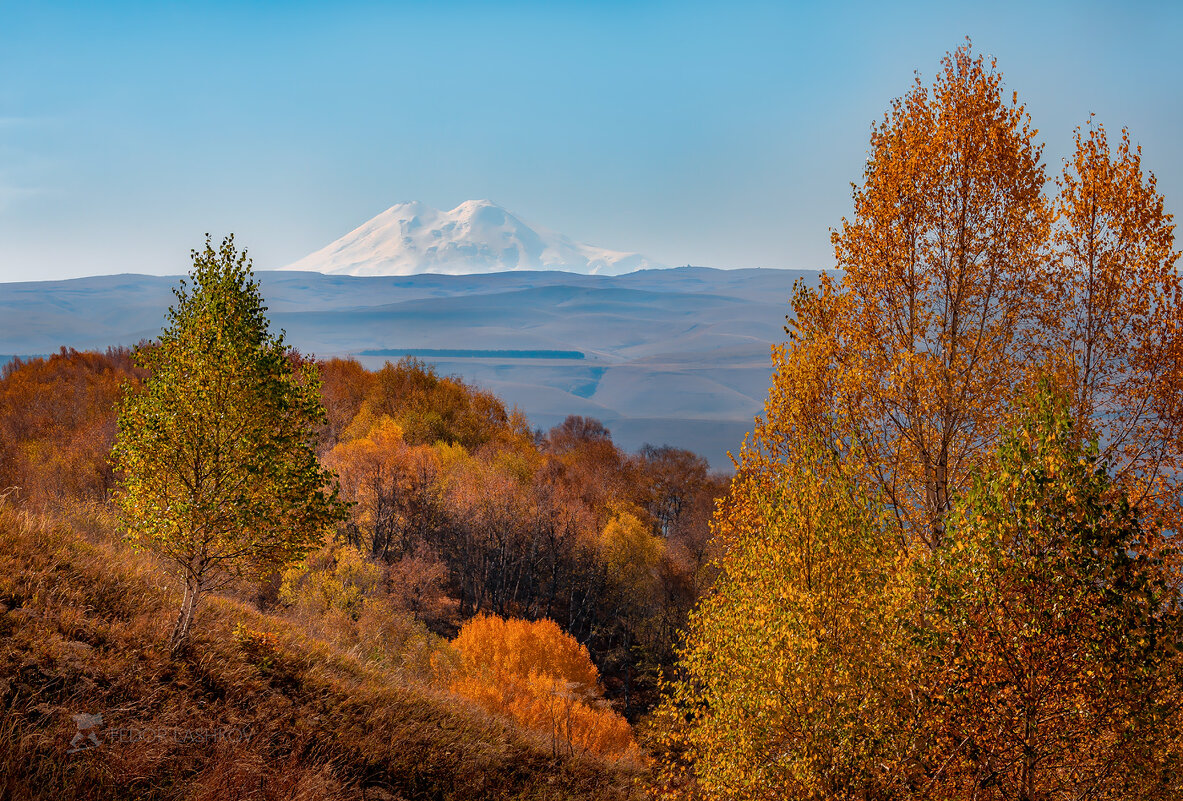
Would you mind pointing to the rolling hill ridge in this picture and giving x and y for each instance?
(677, 356)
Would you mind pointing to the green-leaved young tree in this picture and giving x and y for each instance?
(1051, 629)
(215, 455)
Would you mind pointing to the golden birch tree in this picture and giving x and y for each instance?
(1118, 317)
(215, 454)
(942, 266)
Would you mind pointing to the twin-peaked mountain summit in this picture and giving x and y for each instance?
(478, 236)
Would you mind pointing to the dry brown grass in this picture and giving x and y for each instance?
(83, 630)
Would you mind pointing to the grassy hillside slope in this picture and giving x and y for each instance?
(258, 709)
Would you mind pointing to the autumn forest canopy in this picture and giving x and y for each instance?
(945, 568)
(948, 562)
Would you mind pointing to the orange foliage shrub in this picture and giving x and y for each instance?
(541, 677)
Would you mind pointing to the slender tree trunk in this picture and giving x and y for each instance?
(180, 636)
(172, 640)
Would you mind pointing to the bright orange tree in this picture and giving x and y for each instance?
(941, 277)
(541, 677)
(1118, 315)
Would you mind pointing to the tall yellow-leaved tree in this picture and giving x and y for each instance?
(851, 648)
(1118, 319)
(942, 271)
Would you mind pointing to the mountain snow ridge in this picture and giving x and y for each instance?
(478, 236)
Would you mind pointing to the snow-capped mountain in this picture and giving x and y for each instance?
(478, 236)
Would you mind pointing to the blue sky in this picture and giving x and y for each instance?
(720, 134)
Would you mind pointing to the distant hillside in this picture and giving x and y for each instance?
(677, 356)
